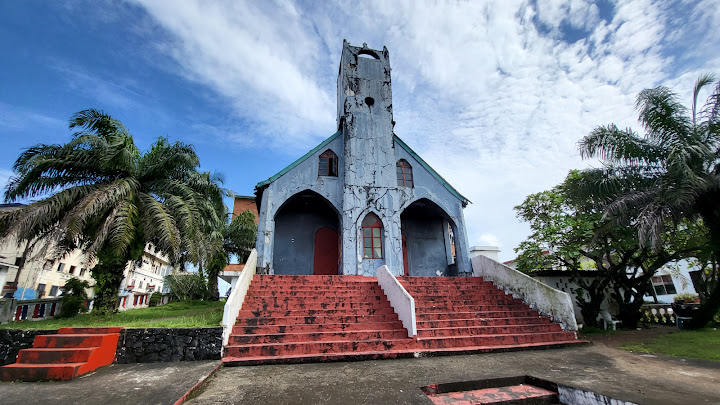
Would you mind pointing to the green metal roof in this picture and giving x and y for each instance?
(399, 141)
(432, 171)
(300, 160)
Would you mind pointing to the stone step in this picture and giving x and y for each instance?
(489, 330)
(313, 348)
(473, 322)
(55, 355)
(433, 316)
(39, 372)
(70, 340)
(310, 305)
(314, 319)
(469, 308)
(324, 312)
(314, 337)
(521, 394)
(493, 340)
(311, 328)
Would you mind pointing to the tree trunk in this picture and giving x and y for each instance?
(108, 275)
(710, 212)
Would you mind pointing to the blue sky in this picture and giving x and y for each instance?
(493, 94)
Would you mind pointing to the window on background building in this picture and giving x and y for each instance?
(18, 260)
(372, 237)
(404, 173)
(53, 291)
(663, 285)
(328, 165)
(41, 290)
(82, 272)
(140, 286)
(61, 267)
(71, 270)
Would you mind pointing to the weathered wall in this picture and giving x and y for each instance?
(546, 300)
(302, 177)
(244, 203)
(163, 344)
(13, 340)
(295, 228)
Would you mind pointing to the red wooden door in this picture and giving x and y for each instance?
(405, 256)
(325, 256)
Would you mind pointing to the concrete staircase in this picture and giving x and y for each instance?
(61, 357)
(457, 314)
(292, 319)
(288, 319)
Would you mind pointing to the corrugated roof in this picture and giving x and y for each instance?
(397, 139)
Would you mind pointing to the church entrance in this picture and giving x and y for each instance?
(427, 240)
(325, 257)
(306, 236)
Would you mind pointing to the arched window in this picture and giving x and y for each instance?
(404, 173)
(372, 237)
(328, 165)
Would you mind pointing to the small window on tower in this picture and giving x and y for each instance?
(328, 164)
(404, 173)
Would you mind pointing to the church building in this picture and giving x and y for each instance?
(362, 198)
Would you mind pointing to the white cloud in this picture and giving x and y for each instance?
(491, 100)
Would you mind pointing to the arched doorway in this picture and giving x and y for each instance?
(305, 238)
(427, 239)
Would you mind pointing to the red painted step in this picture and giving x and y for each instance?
(69, 353)
(287, 319)
(515, 394)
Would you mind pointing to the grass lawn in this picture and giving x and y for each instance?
(181, 314)
(698, 344)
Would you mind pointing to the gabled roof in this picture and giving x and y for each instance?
(432, 171)
(397, 140)
(300, 160)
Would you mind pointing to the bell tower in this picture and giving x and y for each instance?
(364, 114)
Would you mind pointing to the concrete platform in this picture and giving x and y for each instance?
(117, 384)
(619, 374)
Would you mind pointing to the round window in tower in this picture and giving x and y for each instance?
(369, 101)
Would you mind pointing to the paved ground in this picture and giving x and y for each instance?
(131, 384)
(619, 374)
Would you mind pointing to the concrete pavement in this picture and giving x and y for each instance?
(615, 373)
(117, 384)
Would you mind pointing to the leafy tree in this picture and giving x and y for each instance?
(572, 235)
(238, 238)
(102, 194)
(670, 174)
(74, 299)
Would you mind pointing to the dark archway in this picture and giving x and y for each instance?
(303, 226)
(427, 246)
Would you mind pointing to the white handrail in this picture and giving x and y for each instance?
(401, 301)
(237, 296)
(556, 304)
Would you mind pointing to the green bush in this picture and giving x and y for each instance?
(74, 299)
(187, 286)
(155, 299)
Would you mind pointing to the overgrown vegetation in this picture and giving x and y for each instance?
(187, 286)
(698, 344)
(185, 314)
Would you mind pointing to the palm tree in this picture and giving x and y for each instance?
(670, 174)
(101, 194)
(236, 237)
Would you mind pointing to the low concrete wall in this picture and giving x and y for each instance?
(164, 345)
(401, 301)
(237, 296)
(546, 300)
(13, 340)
